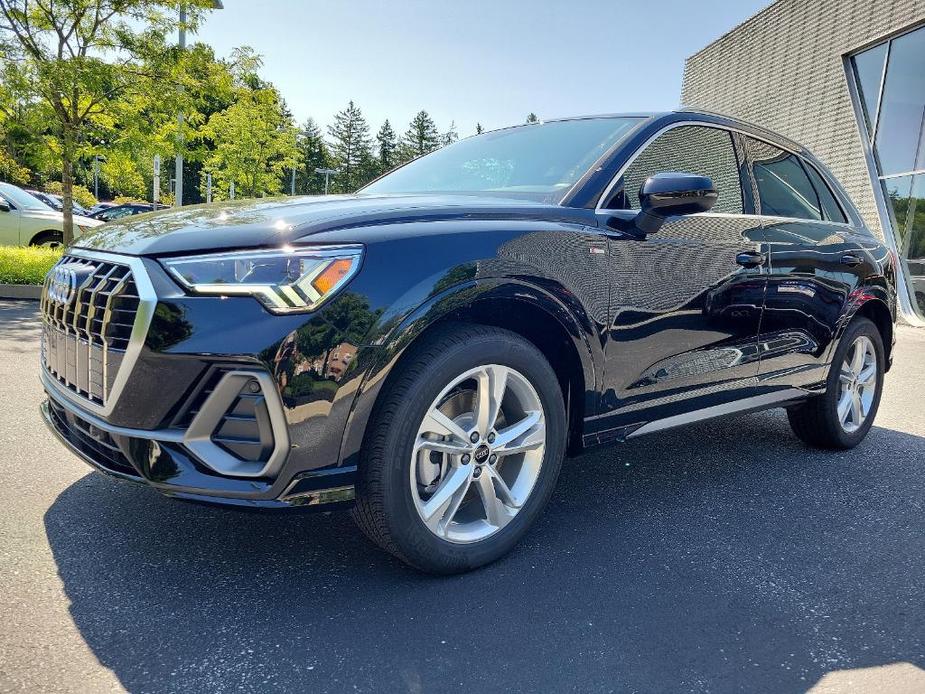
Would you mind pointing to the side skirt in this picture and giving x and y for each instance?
(756, 403)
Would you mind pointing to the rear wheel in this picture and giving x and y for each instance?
(464, 450)
(48, 239)
(842, 416)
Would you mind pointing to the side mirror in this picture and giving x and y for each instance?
(4, 206)
(669, 194)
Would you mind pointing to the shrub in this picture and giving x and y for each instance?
(26, 265)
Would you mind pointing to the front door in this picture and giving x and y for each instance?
(686, 302)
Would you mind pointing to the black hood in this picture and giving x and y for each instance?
(277, 221)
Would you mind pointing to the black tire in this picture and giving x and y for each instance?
(52, 239)
(385, 510)
(816, 421)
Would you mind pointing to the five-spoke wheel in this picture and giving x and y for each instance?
(478, 453)
(464, 449)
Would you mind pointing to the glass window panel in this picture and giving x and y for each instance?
(914, 242)
(902, 113)
(897, 191)
(784, 189)
(688, 149)
(868, 69)
(830, 207)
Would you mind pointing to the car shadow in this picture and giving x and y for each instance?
(720, 557)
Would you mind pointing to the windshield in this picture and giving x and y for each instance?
(20, 199)
(536, 161)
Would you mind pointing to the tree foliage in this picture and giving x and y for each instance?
(421, 136)
(77, 56)
(350, 146)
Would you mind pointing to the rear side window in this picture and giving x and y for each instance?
(784, 188)
(831, 210)
(689, 149)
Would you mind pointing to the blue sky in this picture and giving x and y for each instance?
(487, 61)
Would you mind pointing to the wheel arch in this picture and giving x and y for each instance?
(45, 232)
(531, 312)
(877, 312)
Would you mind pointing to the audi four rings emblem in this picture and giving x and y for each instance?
(63, 284)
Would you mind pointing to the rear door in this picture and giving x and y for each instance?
(816, 260)
(685, 314)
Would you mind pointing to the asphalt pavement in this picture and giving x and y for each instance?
(720, 557)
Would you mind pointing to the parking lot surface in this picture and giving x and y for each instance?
(720, 557)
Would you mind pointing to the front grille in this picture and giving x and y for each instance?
(85, 334)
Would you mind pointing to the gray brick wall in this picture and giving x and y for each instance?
(783, 69)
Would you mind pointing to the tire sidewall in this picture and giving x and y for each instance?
(415, 541)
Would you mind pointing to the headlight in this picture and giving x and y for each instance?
(287, 280)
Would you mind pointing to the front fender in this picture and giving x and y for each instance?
(394, 341)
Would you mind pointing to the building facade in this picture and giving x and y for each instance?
(846, 78)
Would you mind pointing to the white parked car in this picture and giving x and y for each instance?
(27, 221)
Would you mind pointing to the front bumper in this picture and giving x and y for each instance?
(175, 416)
(160, 459)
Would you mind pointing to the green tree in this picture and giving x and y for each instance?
(450, 136)
(350, 147)
(313, 154)
(77, 56)
(421, 136)
(531, 118)
(254, 145)
(479, 129)
(387, 142)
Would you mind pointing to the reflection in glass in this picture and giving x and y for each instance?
(868, 70)
(902, 113)
(897, 192)
(914, 247)
(784, 189)
(691, 149)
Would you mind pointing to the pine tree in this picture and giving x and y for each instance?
(450, 136)
(387, 142)
(531, 118)
(350, 147)
(421, 137)
(313, 154)
(479, 129)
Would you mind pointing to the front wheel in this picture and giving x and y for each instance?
(842, 416)
(464, 451)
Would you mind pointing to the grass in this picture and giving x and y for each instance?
(26, 265)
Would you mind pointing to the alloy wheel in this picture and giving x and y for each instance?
(857, 384)
(478, 453)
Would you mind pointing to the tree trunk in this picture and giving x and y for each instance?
(67, 184)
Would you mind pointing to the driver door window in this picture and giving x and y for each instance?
(691, 149)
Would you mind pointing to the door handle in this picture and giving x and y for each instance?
(851, 260)
(750, 259)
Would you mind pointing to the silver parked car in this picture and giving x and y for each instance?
(27, 221)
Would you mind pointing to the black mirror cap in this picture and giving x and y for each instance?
(677, 193)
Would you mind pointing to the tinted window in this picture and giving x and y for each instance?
(691, 149)
(831, 210)
(784, 189)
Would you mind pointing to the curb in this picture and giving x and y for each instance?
(20, 291)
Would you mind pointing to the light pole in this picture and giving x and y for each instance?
(327, 176)
(96, 177)
(178, 164)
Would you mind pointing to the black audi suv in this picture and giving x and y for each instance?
(429, 349)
